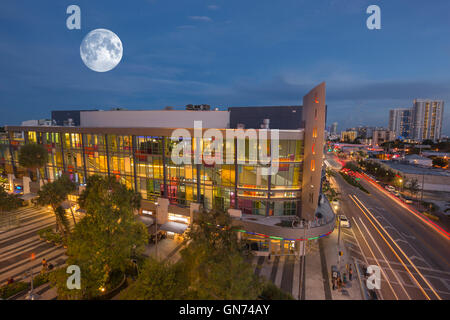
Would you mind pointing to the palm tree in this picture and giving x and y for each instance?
(53, 194)
(33, 156)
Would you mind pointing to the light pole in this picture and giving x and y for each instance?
(339, 231)
(156, 231)
(31, 295)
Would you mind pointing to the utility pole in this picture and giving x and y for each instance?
(421, 196)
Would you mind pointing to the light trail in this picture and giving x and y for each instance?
(397, 246)
(385, 259)
(424, 219)
(376, 260)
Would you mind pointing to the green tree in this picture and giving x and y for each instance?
(8, 202)
(104, 241)
(440, 162)
(351, 165)
(215, 261)
(53, 194)
(413, 186)
(158, 281)
(33, 156)
(3, 178)
(332, 194)
(330, 173)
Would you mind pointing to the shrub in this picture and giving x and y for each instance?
(353, 182)
(272, 292)
(13, 288)
(49, 235)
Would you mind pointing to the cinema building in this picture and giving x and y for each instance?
(277, 212)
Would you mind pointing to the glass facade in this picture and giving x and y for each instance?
(144, 164)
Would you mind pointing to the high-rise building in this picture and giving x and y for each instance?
(380, 136)
(333, 129)
(400, 122)
(427, 116)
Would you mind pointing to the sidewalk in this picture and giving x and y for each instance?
(168, 249)
(351, 290)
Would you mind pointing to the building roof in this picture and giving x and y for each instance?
(412, 169)
(150, 131)
(416, 157)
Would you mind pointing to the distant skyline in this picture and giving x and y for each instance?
(227, 53)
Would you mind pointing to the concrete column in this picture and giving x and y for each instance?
(162, 211)
(193, 209)
(26, 185)
(11, 181)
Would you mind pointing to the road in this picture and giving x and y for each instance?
(414, 258)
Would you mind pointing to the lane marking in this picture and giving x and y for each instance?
(377, 262)
(407, 258)
(384, 257)
(402, 240)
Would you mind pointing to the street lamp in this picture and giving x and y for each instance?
(31, 295)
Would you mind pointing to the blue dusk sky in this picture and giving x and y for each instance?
(227, 53)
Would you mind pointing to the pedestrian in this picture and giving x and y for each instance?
(44, 265)
(339, 283)
(334, 283)
(350, 273)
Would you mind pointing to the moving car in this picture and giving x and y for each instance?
(345, 223)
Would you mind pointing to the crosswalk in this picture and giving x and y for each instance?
(19, 242)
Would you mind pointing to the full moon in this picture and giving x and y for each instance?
(101, 50)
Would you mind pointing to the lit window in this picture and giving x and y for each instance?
(313, 165)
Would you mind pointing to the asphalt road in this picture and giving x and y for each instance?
(414, 258)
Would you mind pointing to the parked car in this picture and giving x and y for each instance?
(390, 188)
(345, 223)
(407, 200)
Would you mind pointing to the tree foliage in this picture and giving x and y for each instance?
(412, 186)
(53, 194)
(8, 202)
(3, 178)
(351, 165)
(215, 261)
(377, 170)
(440, 162)
(106, 239)
(158, 281)
(33, 156)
